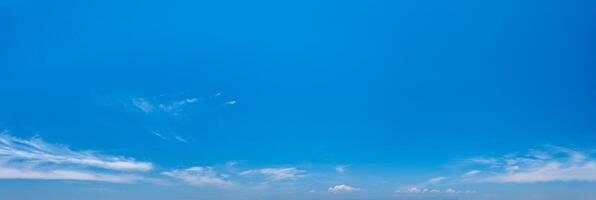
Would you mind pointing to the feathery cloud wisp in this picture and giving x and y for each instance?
(153, 104)
(435, 180)
(418, 190)
(180, 139)
(276, 174)
(7, 172)
(36, 159)
(199, 176)
(554, 164)
(40, 152)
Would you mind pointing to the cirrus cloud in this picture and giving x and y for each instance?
(37, 159)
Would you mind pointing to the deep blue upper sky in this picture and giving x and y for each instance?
(404, 90)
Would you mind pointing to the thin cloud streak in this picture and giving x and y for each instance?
(36, 159)
(276, 174)
(36, 150)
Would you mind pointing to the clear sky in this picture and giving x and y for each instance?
(309, 99)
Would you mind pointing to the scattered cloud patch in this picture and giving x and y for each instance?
(13, 172)
(552, 164)
(276, 174)
(418, 190)
(142, 104)
(342, 188)
(176, 105)
(173, 105)
(199, 176)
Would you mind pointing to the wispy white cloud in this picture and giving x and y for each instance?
(159, 135)
(37, 151)
(428, 187)
(36, 159)
(176, 105)
(154, 104)
(8, 172)
(180, 139)
(418, 190)
(230, 102)
(341, 168)
(199, 176)
(142, 104)
(343, 188)
(472, 173)
(552, 164)
(276, 174)
(436, 180)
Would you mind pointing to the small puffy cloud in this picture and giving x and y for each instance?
(230, 102)
(199, 176)
(342, 188)
(414, 190)
(276, 174)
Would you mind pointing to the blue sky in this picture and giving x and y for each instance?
(297, 100)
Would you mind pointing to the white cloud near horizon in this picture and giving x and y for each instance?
(199, 176)
(36, 159)
(552, 164)
(36, 150)
(343, 188)
(7, 172)
(276, 174)
(423, 190)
